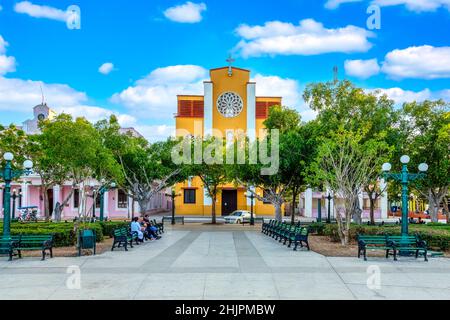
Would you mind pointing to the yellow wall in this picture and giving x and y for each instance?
(237, 84)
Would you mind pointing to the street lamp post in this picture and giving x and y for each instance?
(173, 195)
(329, 197)
(104, 188)
(252, 199)
(319, 210)
(14, 197)
(8, 175)
(404, 178)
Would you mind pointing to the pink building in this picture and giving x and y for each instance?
(117, 204)
(309, 205)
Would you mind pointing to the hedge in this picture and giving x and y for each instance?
(63, 232)
(436, 237)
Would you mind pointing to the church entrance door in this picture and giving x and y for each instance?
(229, 202)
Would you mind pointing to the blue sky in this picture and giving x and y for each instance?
(154, 50)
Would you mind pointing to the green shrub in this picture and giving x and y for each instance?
(317, 228)
(108, 227)
(63, 233)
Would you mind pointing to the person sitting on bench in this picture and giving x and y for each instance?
(152, 231)
(137, 228)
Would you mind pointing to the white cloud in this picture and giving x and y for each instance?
(445, 94)
(106, 68)
(334, 4)
(7, 64)
(186, 13)
(308, 38)
(38, 11)
(3, 45)
(362, 68)
(289, 89)
(416, 5)
(154, 133)
(155, 96)
(401, 96)
(424, 62)
(21, 95)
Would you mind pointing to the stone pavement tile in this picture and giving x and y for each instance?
(27, 293)
(29, 286)
(36, 262)
(31, 280)
(209, 250)
(117, 260)
(388, 279)
(296, 261)
(101, 286)
(305, 286)
(439, 279)
(240, 286)
(362, 292)
(439, 294)
(172, 286)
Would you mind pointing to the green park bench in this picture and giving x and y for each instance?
(8, 245)
(159, 226)
(388, 243)
(409, 244)
(14, 245)
(300, 236)
(373, 243)
(266, 226)
(36, 242)
(123, 237)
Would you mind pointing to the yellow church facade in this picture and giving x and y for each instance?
(228, 104)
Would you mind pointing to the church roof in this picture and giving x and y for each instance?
(234, 68)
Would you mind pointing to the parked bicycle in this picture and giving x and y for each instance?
(28, 214)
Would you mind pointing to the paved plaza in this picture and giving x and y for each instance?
(220, 263)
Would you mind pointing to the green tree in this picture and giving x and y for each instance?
(145, 169)
(14, 140)
(297, 150)
(209, 165)
(344, 164)
(371, 116)
(426, 132)
(76, 146)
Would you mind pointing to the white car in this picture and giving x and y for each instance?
(237, 217)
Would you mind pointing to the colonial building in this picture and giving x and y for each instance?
(229, 103)
(40, 112)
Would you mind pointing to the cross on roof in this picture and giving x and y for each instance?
(230, 61)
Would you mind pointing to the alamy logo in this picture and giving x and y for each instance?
(73, 17)
(374, 278)
(73, 282)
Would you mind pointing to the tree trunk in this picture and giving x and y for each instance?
(60, 207)
(434, 210)
(278, 215)
(143, 204)
(372, 211)
(213, 209)
(294, 202)
(46, 203)
(357, 212)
